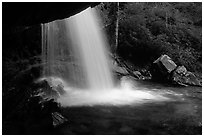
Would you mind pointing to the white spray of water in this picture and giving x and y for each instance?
(82, 34)
(124, 95)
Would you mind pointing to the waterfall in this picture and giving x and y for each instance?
(75, 56)
(77, 39)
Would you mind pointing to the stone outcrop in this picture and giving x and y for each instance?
(164, 69)
(121, 68)
(183, 77)
(166, 62)
(43, 101)
(26, 14)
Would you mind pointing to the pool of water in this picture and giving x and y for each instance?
(182, 114)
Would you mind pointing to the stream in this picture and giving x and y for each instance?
(181, 115)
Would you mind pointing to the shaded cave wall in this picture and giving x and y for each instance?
(21, 33)
(21, 46)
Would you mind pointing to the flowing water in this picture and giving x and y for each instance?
(75, 51)
(182, 115)
(75, 58)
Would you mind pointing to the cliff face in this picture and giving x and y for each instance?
(30, 13)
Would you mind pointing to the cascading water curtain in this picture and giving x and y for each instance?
(75, 49)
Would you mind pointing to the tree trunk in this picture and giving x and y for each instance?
(116, 29)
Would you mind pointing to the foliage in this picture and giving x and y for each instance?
(147, 30)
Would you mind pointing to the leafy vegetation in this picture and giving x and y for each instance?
(147, 30)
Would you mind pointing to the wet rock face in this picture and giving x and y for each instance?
(42, 105)
(49, 88)
(33, 108)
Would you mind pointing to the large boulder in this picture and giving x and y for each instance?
(42, 106)
(49, 87)
(162, 67)
(183, 77)
(166, 62)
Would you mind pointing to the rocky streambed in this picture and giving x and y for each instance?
(181, 115)
(40, 114)
(31, 108)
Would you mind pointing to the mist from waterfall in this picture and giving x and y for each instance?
(75, 56)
